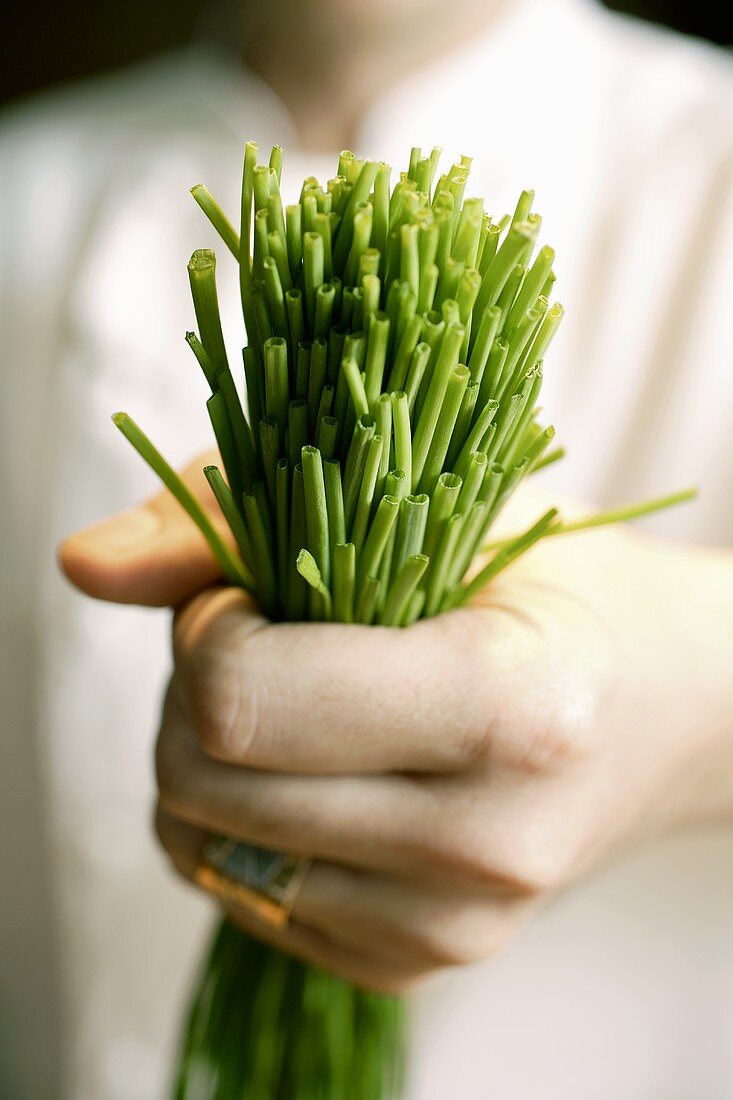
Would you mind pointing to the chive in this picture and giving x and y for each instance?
(302, 369)
(240, 432)
(382, 413)
(366, 492)
(485, 336)
(327, 431)
(277, 385)
(293, 225)
(316, 379)
(282, 519)
(366, 603)
(275, 298)
(203, 359)
(462, 427)
(355, 462)
(402, 589)
(202, 279)
(402, 434)
(469, 541)
(270, 448)
(376, 355)
(352, 374)
(262, 563)
(442, 505)
(255, 382)
(403, 356)
(376, 540)
(437, 580)
(297, 429)
(414, 607)
(334, 502)
(216, 408)
(446, 361)
(492, 375)
(344, 580)
(316, 511)
(312, 271)
(296, 326)
(297, 592)
(446, 421)
(416, 373)
(325, 297)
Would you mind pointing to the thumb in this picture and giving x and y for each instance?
(152, 555)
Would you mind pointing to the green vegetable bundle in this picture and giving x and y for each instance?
(392, 374)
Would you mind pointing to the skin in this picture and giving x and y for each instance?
(446, 779)
(368, 46)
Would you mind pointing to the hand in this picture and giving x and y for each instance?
(446, 778)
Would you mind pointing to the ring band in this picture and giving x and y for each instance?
(263, 882)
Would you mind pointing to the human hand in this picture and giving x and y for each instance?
(449, 777)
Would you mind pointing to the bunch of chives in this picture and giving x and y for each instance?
(396, 339)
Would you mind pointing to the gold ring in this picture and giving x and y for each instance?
(262, 882)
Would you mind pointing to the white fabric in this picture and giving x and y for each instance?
(624, 987)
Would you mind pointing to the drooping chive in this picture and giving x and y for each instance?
(440, 441)
(547, 460)
(282, 518)
(302, 369)
(316, 511)
(275, 298)
(217, 217)
(377, 537)
(353, 471)
(485, 336)
(367, 600)
(307, 566)
(411, 525)
(297, 429)
(297, 591)
(442, 505)
(312, 272)
(334, 502)
(233, 516)
(277, 385)
(402, 433)
(262, 562)
(344, 581)
(447, 359)
(437, 580)
(202, 279)
(240, 428)
(316, 380)
(217, 410)
(376, 355)
(366, 492)
(352, 374)
(231, 565)
(403, 356)
(203, 359)
(402, 589)
(505, 557)
(416, 373)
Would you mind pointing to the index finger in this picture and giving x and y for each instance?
(331, 698)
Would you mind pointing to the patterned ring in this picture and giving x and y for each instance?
(263, 882)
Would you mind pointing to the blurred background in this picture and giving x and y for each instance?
(81, 39)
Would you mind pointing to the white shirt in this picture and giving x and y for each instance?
(623, 988)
